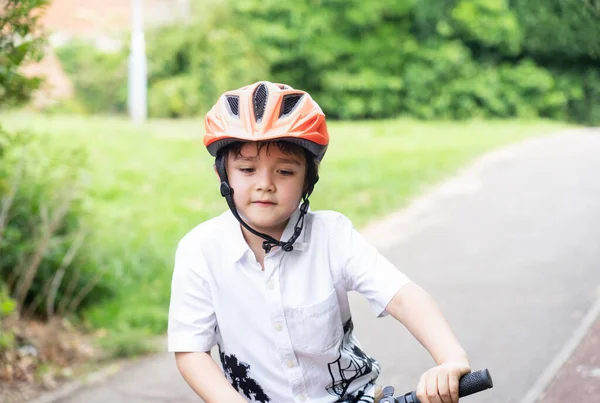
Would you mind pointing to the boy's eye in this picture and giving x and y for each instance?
(247, 170)
(286, 172)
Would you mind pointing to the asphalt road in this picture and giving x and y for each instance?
(510, 249)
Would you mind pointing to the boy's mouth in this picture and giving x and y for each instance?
(263, 203)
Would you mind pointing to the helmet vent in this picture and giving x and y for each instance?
(260, 101)
(233, 102)
(289, 103)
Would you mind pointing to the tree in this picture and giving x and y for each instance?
(21, 41)
(346, 53)
(564, 30)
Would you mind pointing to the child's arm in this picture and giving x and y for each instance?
(206, 379)
(416, 310)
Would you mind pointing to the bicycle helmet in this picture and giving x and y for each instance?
(266, 111)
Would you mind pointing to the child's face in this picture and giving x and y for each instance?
(267, 186)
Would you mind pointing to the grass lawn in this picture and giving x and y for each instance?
(150, 184)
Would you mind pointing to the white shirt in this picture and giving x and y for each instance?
(284, 334)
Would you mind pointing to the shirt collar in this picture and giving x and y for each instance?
(238, 246)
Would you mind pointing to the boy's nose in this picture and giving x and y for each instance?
(265, 182)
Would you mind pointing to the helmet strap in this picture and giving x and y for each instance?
(269, 241)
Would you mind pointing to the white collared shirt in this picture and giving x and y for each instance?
(284, 334)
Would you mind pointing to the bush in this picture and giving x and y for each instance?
(347, 54)
(21, 41)
(552, 29)
(436, 78)
(590, 112)
(583, 85)
(127, 344)
(175, 97)
(481, 24)
(560, 29)
(191, 65)
(442, 79)
(531, 91)
(7, 304)
(42, 238)
(453, 59)
(7, 307)
(99, 77)
(361, 59)
(487, 23)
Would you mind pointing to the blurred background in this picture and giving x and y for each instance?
(95, 199)
(427, 59)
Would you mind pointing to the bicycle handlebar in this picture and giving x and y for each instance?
(470, 383)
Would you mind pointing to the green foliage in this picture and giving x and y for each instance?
(489, 23)
(99, 77)
(435, 78)
(21, 41)
(175, 97)
(127, 344)
(530, 91)
(42, 255)
(590, 111)
(560, 29)
(7, 307)
(347, 54)
(361, 59)
(8, 340)
(552, 29)
(451, 59)
(482, 24)
(583, 88)
(191, 65)
(7, 304)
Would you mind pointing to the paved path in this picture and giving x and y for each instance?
(510, 249)
(579, 378)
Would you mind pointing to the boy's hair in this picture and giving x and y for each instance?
(312, 163)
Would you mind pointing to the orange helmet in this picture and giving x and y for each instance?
(266, 111)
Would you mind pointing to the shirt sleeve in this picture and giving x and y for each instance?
(192, 320)
(363, 268)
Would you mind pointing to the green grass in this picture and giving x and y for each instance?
(150, 184)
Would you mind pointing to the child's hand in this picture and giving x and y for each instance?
(440, 384)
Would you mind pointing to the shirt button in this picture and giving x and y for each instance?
(302, 398)
(278, 327)
(271, 285)
(290, 363)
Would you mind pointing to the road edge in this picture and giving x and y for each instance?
(69, 388)
(546, 377)
(383, 232)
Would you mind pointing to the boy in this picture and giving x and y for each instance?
(267, 281)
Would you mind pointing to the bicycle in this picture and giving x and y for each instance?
(471, 383)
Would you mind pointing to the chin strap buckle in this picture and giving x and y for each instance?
(286, 246)
(267, 246)
(225, 189)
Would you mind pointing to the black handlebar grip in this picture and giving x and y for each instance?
(475, 382)
(470, 383)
